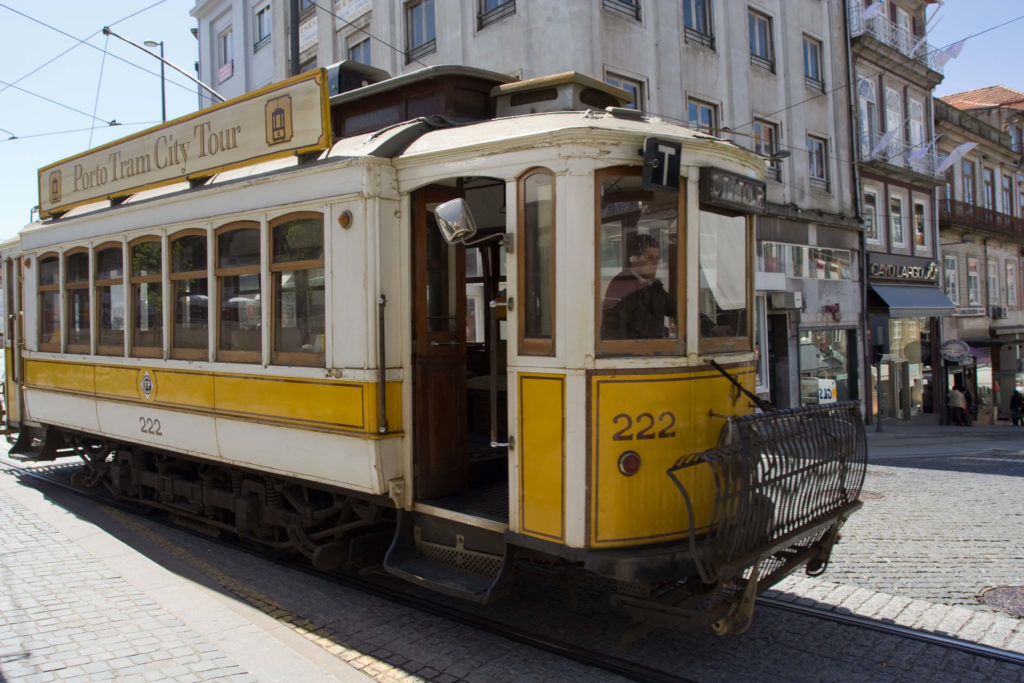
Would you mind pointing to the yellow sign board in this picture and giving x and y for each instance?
(285, 118)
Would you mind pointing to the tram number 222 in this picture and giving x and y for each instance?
(150, 425)
(644, 426)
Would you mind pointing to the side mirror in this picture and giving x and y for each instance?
(455, 220)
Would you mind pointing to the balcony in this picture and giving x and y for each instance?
(892, 45)
(963, 215)
(895, 158)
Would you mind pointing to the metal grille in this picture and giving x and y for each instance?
(781, 480)
(483, 564)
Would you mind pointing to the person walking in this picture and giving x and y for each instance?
(1016, 406)
(957, 407)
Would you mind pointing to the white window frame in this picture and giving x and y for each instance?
(813, 71)
(765, 139)
(867, 98)
(699, 106)
(420, 29)
(225, 46)
(897, 224)
(698, 29)
(262, 28)
(923, 245)
(875, 224)
(973, 282)
(631, 84)
(759, 39)
(817, 162)
(356, 45)
(951, 275)
(1012, 285)
(994, 294)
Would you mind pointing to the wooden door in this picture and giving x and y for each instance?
(439, 353)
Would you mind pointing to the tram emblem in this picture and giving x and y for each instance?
(55, 187)
(146, 384)
(279, 120)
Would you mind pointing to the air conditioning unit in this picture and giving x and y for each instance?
(787, 300)
(998, 312)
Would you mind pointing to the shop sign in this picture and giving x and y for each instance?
(719, 187)
(963, 311)
(286, 118)
(956, 351)
(902, 268)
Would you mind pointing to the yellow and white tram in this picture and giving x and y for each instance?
(445, 323)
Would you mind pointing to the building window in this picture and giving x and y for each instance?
(225, 54)
(640, 265)
(625, 8)
(988, 186)
(952, 277)
(812, 64)
(813, 263)
(537, 216)
(896, 222)
(297, 274)
(238, 293)
(765, 138)
(360, 52)
(420, 38)
(1020, 198)
(870, 216)
(190, 337)
(893, 122)
(76, 297)
(49, 303)
(630, 85)
(110, 300)
(697, 22)
(993, 283)
(147, 298)
(968, 177)
(702, 116)
(868, 113)
(261, 26)
(973, 283)
(1007, 206)
(920, 229)
(817, 162)
(1011, 284)
(759, 29)
(917, 131)
(494, 10)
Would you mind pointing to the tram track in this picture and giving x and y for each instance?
(541, 641)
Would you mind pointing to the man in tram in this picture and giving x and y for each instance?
(636, 305)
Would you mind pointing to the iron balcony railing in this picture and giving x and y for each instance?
(886, 32)
(952, 212)
(898, 153)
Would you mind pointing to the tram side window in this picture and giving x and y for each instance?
(110, 300)
(238, 292)
(724, 287)
(76, 292)
(537, 233)
(147, 298)
(297, 274)
(640, 273)
(189, 335)
(49, 303)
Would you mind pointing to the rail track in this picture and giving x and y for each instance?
(60, 476)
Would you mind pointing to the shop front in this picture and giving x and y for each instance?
(904, 307)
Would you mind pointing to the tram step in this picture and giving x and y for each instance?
(36, 444)
(448, 557)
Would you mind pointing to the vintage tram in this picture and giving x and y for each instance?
(446, 324)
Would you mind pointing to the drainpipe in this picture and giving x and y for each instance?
(864, 331)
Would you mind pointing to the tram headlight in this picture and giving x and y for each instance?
(629, 463)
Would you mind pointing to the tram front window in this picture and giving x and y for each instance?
(639, 264)
(724, 312)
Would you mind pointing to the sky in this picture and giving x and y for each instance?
(59, 73)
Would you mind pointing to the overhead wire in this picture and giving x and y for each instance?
(363, 30)
(99, 86)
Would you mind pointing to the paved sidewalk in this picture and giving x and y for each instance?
(78, 605)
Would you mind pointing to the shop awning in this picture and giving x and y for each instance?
(909, 301)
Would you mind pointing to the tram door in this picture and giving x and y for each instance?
(439, 353)
(13, 292)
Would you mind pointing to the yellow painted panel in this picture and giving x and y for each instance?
(77, 377)
(118, 381)
(338, 404)
(11, 404)
(181, 389)
(542, 455)
(392, 406)
(660, 417)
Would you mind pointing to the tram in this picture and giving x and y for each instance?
(446, 324)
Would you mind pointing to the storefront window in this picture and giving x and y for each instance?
(825, 366)
(910, 367)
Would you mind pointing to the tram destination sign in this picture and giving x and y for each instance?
(290, 117)
(721, 188)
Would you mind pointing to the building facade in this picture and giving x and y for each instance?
(981, 222)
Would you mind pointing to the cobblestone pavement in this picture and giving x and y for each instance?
(941, 522)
